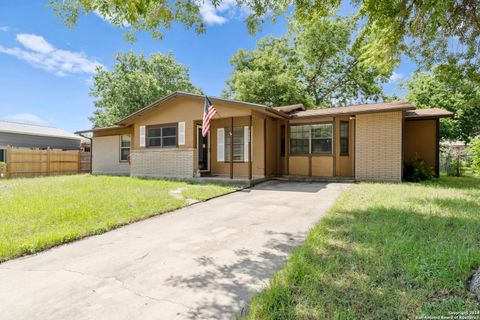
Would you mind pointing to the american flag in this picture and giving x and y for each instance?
(208, 113)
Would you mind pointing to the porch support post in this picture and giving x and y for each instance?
(250, 148)
(231, 148)
(437, 147)
(334, 145)
(287, 148)
(265, 147)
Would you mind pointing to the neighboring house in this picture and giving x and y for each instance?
(361, 142)
(33, 136)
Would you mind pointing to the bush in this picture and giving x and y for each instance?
(417, 170)
(474, 153)
(457, 168)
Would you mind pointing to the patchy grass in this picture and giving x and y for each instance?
(384, 251)
(38, 213)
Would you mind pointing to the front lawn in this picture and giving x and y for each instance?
(384, 251)
(38, 213)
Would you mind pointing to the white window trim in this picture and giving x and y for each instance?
(143, 137)
(181, 133)
(220, 144)
(120, 146)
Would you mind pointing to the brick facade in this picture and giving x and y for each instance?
(378, 146)
(162, 163)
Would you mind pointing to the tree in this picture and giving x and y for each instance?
(420, 29)
(448, 87)
(134, 83)
(315, 64)
(474, 152)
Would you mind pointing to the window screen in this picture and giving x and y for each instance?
(321, 136)
(299, 139)
(344, 138)
(162, 137)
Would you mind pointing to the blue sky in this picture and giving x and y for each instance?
(46, 68)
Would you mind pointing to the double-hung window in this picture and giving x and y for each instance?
(162, 136)
(311, 139)
(299, 139)
(125, 143)
(321, 138)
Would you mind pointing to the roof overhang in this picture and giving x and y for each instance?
(425, 114)
(101, 129)
(352, 110)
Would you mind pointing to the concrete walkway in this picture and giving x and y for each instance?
(200, 262)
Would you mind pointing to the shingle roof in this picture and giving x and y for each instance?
(355, 109)
(290, 108)
(428, 113)
(157, 103)
(35, 130)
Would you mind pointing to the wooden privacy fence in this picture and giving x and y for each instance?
(35, 163)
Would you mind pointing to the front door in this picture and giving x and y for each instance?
(203, 150)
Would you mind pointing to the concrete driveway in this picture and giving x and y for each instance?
(203, 261)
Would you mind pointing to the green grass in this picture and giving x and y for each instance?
(384, 251)
(38, 213)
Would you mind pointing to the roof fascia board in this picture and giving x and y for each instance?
(352, 113)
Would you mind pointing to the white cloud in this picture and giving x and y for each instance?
(41, 54)
(35, 43)
(228, 9)
(109, 19)
(27, 118)
(395, 77)
(4, 28)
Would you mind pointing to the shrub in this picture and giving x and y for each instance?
(474, 153)
(417, 170)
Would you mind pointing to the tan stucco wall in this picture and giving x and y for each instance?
(188, 110)
(106, 156)
(378, 146)
(420, 141)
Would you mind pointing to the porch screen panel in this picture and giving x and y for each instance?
(238, 144)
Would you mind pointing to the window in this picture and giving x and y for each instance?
(125, 141)
(344, 138)
(321, 138)
(3, 154)
(162, 137)
(238, 144)
(315, 138)
(299, 139)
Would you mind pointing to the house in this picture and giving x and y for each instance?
(21, 135)
(253, 141)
